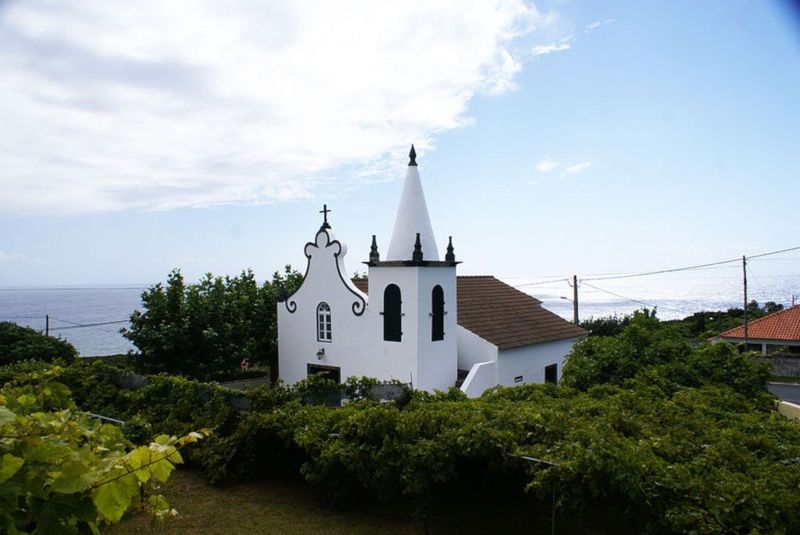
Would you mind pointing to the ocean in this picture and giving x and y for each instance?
(91, 317)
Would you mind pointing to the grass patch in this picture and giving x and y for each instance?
(274, 507)
(293, 507)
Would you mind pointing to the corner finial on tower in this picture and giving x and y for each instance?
(416, 256)
(325, 212)
(413, 157)
(374, 256)
(450, 256)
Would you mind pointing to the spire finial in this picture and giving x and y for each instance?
(416, 256)
(374, 256)
(450, 256)
(413, 157)
(325, 212)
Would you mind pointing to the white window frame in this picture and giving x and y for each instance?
(324, 330)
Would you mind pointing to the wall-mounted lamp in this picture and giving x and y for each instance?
(321, 354)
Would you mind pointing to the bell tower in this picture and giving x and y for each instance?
(412, 295)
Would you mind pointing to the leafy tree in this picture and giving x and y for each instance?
(206, 330)
(607, 325)
(660, 352)
(22, 343)
(62, 473)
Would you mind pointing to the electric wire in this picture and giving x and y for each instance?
(67, 289)
(631, 299)
(97, 326)
(688, 268)
(619, 295)
(540, 283)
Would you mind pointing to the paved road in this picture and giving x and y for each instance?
(790, 393)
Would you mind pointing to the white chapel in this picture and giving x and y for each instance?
(413, 319)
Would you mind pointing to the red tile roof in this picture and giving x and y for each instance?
(783, 325)
(503, 315)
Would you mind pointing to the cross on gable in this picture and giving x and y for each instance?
(325, 213)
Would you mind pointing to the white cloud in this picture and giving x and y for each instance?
(597, 24)
(12, 257)
(574, 169)
(541, 50)
(154, 105)
(546, 164)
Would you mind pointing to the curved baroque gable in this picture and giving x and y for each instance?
(321, 251)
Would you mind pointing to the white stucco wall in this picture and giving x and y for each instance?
(481, 377)
(297, 331)
(437, 364)
(430, 365)
(473, 349)
(391, 360)
(530, 361)
(357, 346)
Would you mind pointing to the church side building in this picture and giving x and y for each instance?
(409, 327)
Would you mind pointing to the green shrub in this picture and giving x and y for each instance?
(207, 330)
(62, 472)
(658, 351)
(21, 369)
(677, 438)
(19, 343)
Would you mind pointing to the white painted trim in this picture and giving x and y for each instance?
(481, 377)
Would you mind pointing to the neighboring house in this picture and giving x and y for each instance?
(777, 330)
(421, 324)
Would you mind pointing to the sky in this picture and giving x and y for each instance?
(553, 138)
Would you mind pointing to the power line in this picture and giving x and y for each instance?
(632, 300)
(540, 282)
(617, 295)
(62, 289)
(673, 270)
(687, 268)
(774, 252)
(73, 325)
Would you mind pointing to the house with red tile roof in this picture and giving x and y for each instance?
(413, 319)
(779, 329)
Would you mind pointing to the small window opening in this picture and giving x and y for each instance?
(551, 373)
(437, 314)
(392, 314)
(323, 322)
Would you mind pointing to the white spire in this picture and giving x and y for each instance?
(412, 218)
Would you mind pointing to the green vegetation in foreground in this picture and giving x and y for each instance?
(645, 426)
(289, 506)
(64, 473)
(279, 507)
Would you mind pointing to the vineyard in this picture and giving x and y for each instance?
(674, 437)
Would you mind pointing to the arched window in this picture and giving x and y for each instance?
(323, 322)
(437, 314)
(392, 315)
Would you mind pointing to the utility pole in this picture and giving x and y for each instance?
(47, 324)
(575, 298)
(744, 280)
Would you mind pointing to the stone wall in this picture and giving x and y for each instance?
(786, 366)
